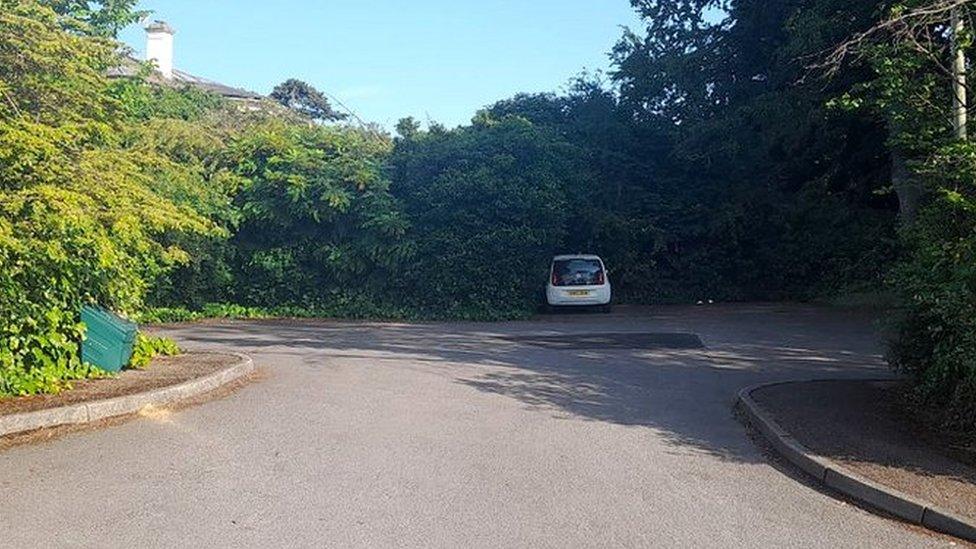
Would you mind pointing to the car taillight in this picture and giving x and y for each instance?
(600, 279)
(555, 279)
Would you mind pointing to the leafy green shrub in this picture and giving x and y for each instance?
(158, 315)
(741, 203)
(149, 347)
(487, 205)
(351, 307)
(81, 221)
(316, 217)
(936, 336)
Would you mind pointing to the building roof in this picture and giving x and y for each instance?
(131, 67)
(215, 87)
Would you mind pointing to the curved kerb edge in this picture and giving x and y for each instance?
(829, 473)
(87, 412)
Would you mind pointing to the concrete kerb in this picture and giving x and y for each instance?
(829, 473)
(87, 412)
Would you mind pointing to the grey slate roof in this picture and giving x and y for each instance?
(215, 87)
(130, 67)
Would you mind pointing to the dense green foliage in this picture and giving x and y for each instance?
(488, 207)
(804, 156)
(304, 99)
(316, 217)
(935, 332)
(103, 18)
(711, 171)
(147, 347)
(936, 339)
(82, 219)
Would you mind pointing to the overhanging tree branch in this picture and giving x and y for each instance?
(909, 26)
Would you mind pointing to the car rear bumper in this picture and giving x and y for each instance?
(562, 296)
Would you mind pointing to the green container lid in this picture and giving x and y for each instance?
(109, 339)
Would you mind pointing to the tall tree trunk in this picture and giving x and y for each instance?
(960, 103)
(908, 190)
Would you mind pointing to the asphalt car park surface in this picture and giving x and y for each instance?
(564, 431)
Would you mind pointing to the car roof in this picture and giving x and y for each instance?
(576, 256)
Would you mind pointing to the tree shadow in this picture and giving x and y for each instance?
(858, 423)
(681, 392)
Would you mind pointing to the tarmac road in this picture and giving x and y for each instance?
(566, 431)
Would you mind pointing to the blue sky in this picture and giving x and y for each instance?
(385, 59)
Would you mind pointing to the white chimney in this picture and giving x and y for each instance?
(159, 47)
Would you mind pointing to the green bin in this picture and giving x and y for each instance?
(108, 339)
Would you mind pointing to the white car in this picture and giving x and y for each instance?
(578, 280)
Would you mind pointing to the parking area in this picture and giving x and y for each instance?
(567, 430)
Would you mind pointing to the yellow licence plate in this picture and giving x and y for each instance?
(579, 293)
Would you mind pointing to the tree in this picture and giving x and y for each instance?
(408, 127)
(664, 72)
(306, 100)
(104, 18)
(85, 215)
(317, 220)
(488, 208)
(759, 166)
(918, 51)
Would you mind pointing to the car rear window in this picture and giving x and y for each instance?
(577, 272)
